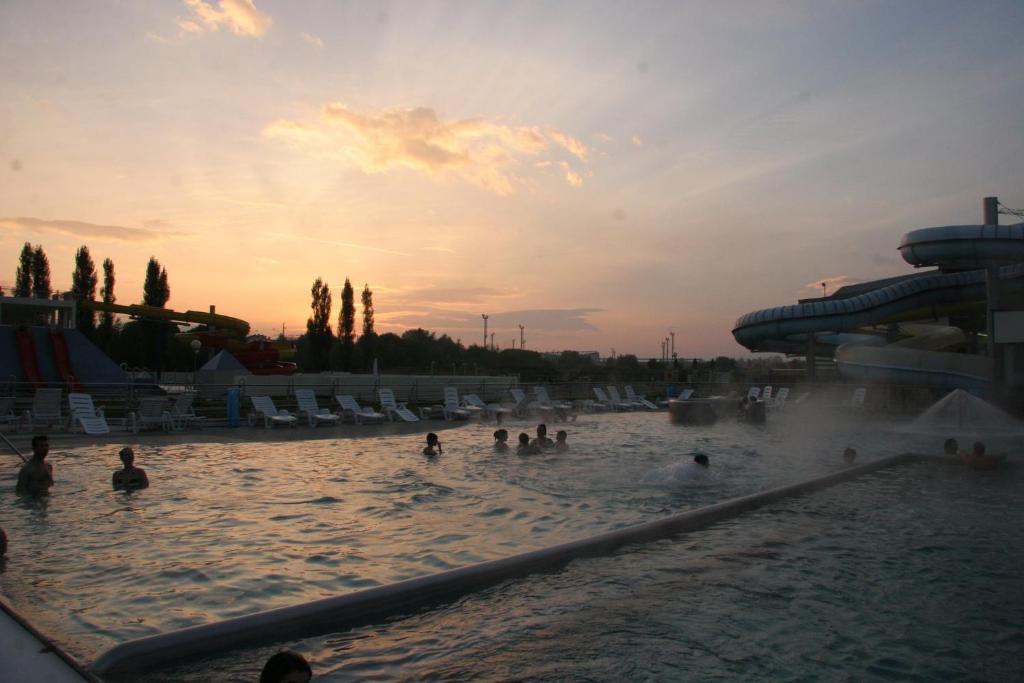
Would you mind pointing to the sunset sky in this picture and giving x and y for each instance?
(600, 172)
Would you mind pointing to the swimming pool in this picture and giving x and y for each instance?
(236, 528)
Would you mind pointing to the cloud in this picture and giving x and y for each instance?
(347, 245)
(484, 153)
(81, 229)
(603, 137)
(315, 41)
(832, 283)
(637, 140)
(240, 16)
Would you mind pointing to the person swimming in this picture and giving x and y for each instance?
(849, 455)
(501, 440)
(525, 447)
(130, 478)
(561, 443)
(433, 445)
(682, 471)
(36, 476)
(979, 460)
(286, 667)
(542, 441)
(951, 447)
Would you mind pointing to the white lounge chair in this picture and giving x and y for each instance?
(544, 401)
(351, 408)
(84, 413)
(183, 414)
(642, 400)
(801, 398)
(779, 401)
(685, 395)
(451, 410)
(766, 394)
(264, 407)
(754, 393)
(613, 394)
(391, 407)
(522, 405)
(492, 410)
(151, 414)
(46, 409)
(308, 406)
(609, 404)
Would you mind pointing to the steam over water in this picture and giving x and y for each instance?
(231, 529)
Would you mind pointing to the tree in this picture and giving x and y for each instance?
(156, 291)
(106, 329)
(40, 274)
(315, 346)
(23, 279)
(367, 310)
(83, 287)
(347, 325)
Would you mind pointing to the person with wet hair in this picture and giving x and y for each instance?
(131, 478)
(36, 476)
(978, 459)
(542, 442)
(501, 440)
(561, 443)
(951, 447)
(525, 447)
(849, 455)
(286, 667)
(433, 445)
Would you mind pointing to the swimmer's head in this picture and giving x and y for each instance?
(542, 429)
(286, 667)
(950, 447)
(850, 454)
(561, 435)
(501, 435)
(127, 455)
(978, 448)
(40, 445)
(431, 439)
(524, 439)
(701, 460)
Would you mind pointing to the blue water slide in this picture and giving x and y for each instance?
(961, 252)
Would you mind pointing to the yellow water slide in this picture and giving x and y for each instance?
(223, 323)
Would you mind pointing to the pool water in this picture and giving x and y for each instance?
(229, 529)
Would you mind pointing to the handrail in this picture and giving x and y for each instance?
(13, 447)
(376, 605)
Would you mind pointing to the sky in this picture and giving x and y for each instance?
(602, 173)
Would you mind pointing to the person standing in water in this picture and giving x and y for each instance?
(542, 442)
(433, 445)
(36, 476)
(849, 455)
(286, 667)
(561, 445)
(525, 447)
(501, 440)
(130, 478)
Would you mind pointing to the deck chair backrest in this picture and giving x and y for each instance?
(685, 394)
(183, 403)
(451, 397)
(81, 404)
(264, 405)
(46, 402)
(306, 400)
(613, 392)
(754, 392)
(859, 395)
(782, 395)
(152, 406)
(630, 392)
(518, 395)
(766, 395)
(474, 400)
(348, 402)
(601, 396)
(387, 398)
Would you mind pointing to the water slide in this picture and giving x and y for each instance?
(846, 324)
(29, 361)
(215, 320)
(62, 360)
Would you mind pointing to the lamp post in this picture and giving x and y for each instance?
(485, 317)
(823, 294)
(522, 339)
(195, 345)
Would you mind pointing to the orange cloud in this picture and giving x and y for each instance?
(240, 16)
(81, 229)
(477, 151)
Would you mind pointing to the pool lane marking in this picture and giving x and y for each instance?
(404, 598)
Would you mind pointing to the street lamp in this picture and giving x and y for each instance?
(195, 345)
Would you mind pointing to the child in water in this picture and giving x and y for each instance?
(849, 455)
(501, 440)
(286, 667)
(561, 445)
(542, 442)
(525, 447)
(432, 444)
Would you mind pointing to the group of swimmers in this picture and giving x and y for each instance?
(36, 476)
(526, 445)
(976, 458)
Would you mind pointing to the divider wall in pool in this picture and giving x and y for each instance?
(405, 597)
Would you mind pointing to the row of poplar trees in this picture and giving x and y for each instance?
(320, 348)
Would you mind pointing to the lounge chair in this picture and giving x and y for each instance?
(544, 401)
(84, 413)
(685, 395)
(613, 394)
(451, 410)
(492, 410)
(351, 408)
(7, 415)
(183, 414)
(609, 404)
(801, 398)
(522, 405)
(391, 407)
(642, 400)
(264, 407)
(313, 412)
(152, 414)
(766, 394)
(754, 393)
(46, 409)
(779, 401)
